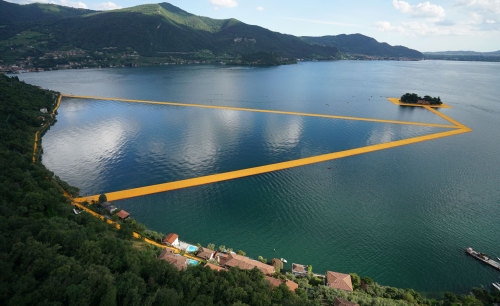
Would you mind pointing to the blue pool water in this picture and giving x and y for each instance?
(191, 248)
(193, 262)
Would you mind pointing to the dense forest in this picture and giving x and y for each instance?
(49, 255)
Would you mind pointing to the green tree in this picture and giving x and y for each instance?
(222, 248)
(211, 246)
(102, 198)
(410, 98)
(367, 280)
(240, 252)
(356, 280)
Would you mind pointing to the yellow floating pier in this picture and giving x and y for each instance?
(457, 128)
(398, 102)
(136, 192)
(35, 147)
(267, 111)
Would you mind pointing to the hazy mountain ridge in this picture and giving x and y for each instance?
(462, 53)
(358, 44)
(464, 56)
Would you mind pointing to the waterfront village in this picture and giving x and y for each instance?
(182, 254)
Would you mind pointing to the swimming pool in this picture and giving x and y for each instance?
(191, 248)
(192, 262)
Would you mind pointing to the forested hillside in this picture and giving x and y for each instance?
(11, 13)
(144, 34)
(361, 45)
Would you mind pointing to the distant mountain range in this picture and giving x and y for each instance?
(466, 53)
(52, 36)
(464, 56)
(361, 45)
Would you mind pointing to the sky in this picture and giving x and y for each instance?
(438, 25)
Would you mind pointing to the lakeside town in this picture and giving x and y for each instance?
(182, 254)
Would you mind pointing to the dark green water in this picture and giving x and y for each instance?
(402, 216)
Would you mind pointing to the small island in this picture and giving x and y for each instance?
(413, 98)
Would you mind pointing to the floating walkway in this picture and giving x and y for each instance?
(35, 147)
(484, 258)
(398, 102)
(457, 128)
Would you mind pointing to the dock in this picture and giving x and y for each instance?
(484, 258)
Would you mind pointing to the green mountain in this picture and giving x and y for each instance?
(47, 36)
(361, 45)
(150, 33)
(11, 13)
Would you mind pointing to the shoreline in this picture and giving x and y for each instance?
(16, 69)
(137, 235)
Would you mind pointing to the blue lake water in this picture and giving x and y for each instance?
(402, 216)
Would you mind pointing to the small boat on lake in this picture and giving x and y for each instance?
(496, 285)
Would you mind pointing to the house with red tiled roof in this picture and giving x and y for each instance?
(339, 281)
(277, 282)
(166, 251)
(291, 285)
(205, 253)
(277, 264)
(274, 281)
(178, 261)
(341, 302)
(171, 239)
(122, 214)
(245, 263)
(214, 267)
(299, 270)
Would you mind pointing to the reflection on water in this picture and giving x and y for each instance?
(144, 144)
(87, 153)
(402, 216)
(284, 134)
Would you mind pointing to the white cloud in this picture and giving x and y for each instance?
(77, 4)
(386, 26)
(224, 3)
(106, 6)
(485, 5)
(260, 8)
(424, 10)
(415, 28)
(27, 1)
(486, 11)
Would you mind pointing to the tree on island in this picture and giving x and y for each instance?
(102, 198)
(413, 98)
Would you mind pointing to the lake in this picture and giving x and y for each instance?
(402, 216)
